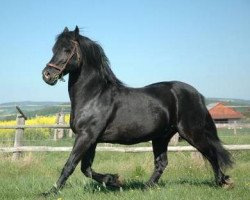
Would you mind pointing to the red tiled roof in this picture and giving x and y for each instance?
(220, 111)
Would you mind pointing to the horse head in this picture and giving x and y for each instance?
(66, 56)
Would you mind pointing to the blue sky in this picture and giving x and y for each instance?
(203, 43)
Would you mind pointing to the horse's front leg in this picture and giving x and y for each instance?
(82, 144)
(105, 179)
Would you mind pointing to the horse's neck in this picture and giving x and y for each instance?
(83, 86)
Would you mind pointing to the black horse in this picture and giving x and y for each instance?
(103, 109)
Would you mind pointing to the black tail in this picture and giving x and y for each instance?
(224, 156)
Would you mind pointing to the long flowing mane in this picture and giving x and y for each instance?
(94, 55)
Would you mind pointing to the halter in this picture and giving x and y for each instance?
(74, 50)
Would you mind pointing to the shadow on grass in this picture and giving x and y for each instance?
(129, 185)
(92, 187)
(194, 182)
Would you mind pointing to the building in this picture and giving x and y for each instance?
(223, 114)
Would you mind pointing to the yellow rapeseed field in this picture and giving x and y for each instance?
(38, 133)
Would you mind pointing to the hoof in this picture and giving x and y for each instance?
(112, 181)
(117, 181)
(120, 181)
(52, 192)
(228, 184)
(47, 194)
(150, 184)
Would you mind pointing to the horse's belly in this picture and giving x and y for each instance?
(135, 129)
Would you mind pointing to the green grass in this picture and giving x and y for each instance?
(183, 179)
(228, 137)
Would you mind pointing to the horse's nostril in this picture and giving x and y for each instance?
(46, 75)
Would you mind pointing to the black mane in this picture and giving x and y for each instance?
(94, 55)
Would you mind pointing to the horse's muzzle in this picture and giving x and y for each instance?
(49, 77)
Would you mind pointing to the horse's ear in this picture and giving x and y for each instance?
(66, 29)
(76, 32)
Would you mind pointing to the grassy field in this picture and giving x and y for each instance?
(183, 179)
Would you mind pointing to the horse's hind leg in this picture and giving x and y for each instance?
(160, 146)
(106, 179)
(210, 147)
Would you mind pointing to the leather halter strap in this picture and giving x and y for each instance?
(74, 50)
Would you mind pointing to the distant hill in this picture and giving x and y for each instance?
(229, 102)
(31, 103)
(32, 108)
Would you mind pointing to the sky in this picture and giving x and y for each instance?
(203, 43)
